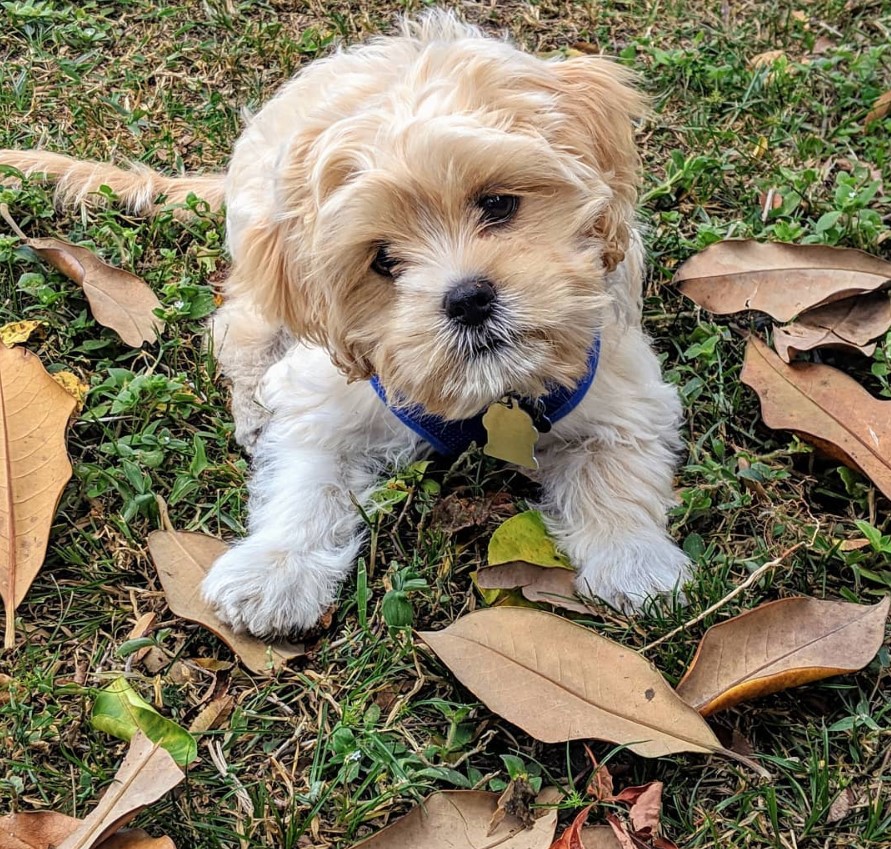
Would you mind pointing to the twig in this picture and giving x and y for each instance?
(729, 597)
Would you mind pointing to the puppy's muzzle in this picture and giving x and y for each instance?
(470, 302)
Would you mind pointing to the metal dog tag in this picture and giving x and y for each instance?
(511, 435)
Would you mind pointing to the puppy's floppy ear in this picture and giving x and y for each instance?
(600, 103)
(266, 271)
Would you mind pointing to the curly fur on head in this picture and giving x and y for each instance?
(391, 143)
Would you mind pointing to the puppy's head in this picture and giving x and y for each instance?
(447, 211)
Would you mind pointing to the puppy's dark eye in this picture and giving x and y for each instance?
(498, 209)
(383, 263)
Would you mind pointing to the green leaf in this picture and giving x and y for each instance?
(397, 609)
(120, 711)
(524, 537)
(514, 766)
(694, 547)
(874, 535)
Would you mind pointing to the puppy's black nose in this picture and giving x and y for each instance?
(470, 302)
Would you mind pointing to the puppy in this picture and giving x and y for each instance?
(433, 242)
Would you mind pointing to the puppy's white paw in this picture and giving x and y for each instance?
(628, 571)
(250, 421)
(270, 591)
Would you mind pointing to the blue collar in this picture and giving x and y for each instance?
(452, 437)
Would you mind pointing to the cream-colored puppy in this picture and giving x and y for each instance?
(419, 228)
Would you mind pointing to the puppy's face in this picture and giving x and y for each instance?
(451, 217)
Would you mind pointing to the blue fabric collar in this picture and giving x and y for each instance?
(452, 437)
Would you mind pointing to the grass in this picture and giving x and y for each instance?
(369, 722)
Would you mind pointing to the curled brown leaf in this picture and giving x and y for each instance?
(778, 645)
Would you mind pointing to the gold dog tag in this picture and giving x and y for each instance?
(511, 435)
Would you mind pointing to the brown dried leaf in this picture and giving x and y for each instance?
(516, 800)
(841, 807)
(47, 829)
(456, 513)
(628, 839)
(518, 660)
(551, 585)
(853, 544)
(599, 837)
(459, 819)
(182, 560)
(142, 626)
(646, 810)
(780, 279)
(825, 407)
(213, 714)
(118, 299)
(146, 774)
(600, 786)
(34, 469)
(136, 838)
(779, 645)
(769, 57)
(572, 836)
(880, 108)
(37, 830)
(622, 834)
(850, 325)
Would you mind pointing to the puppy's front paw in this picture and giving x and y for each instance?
(264, 591)
(250, 422)
(628, 571)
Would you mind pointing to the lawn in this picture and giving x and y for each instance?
(748, 97)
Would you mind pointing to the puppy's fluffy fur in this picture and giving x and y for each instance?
(392, 144)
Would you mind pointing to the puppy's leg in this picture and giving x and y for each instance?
(245, 346)
(304, 534)
(606, 491)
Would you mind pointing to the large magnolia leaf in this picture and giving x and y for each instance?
(824, 406)
(459, 819)
(146, 774)
(559, 681)
(47, 829)
(119, 300)
(778, 645)
(35, 830)
(34, 469)
(182, 560)
(136, 838)
(850, 325)
(779, 279)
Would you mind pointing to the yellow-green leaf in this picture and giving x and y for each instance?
(120, 711)
(17, 332)
(524, 537)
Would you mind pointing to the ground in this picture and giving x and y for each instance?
(369, 722)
